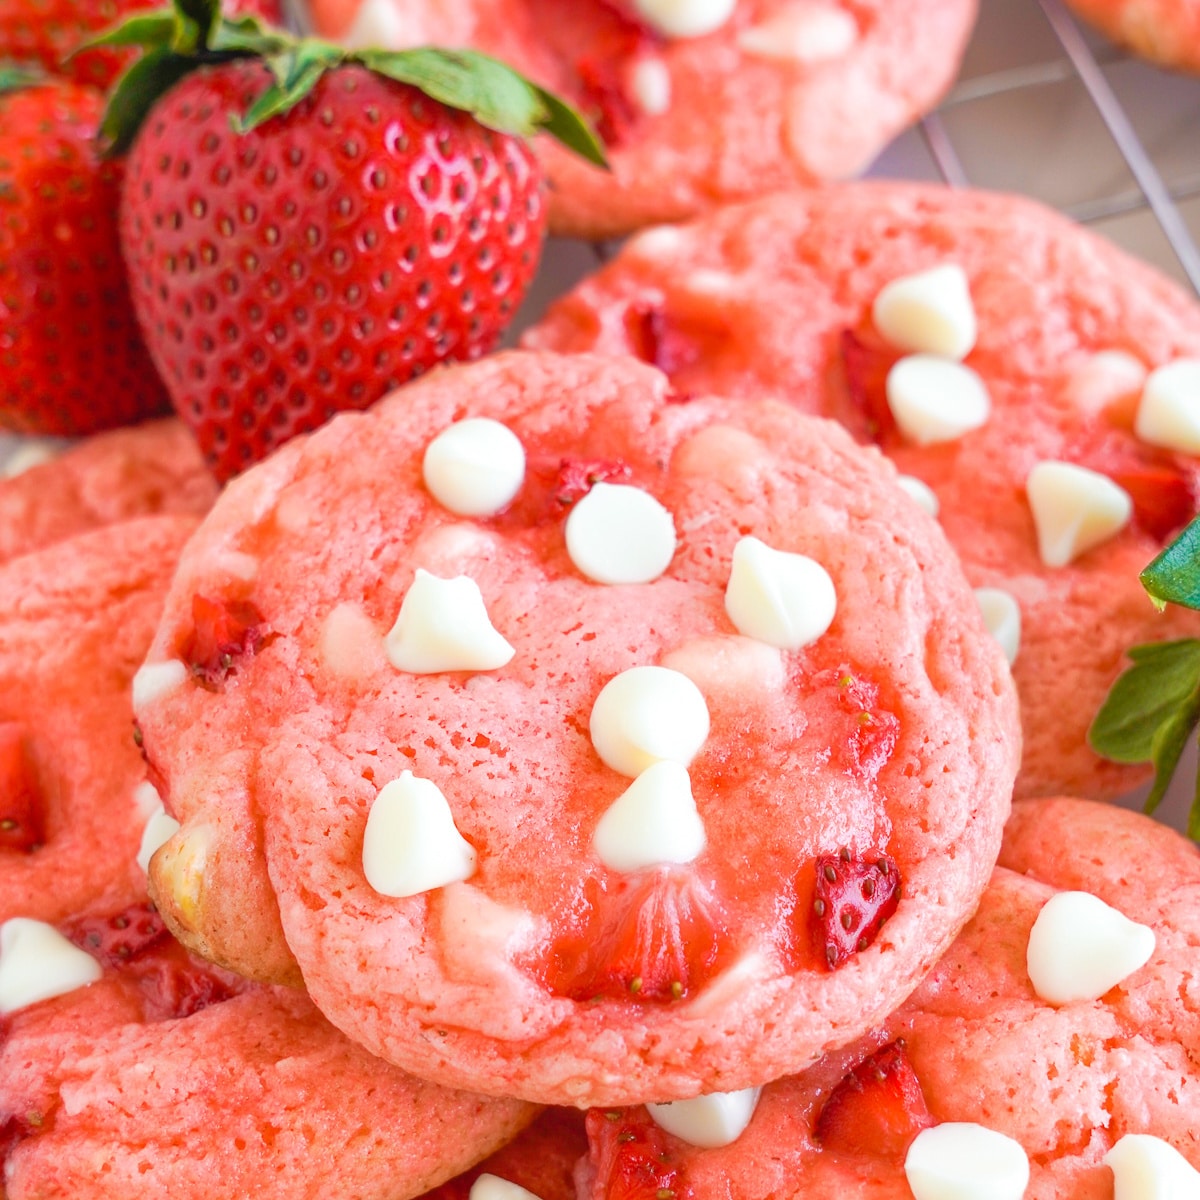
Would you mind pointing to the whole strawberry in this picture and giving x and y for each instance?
(46, 32)
(356, 232)
(71, 354)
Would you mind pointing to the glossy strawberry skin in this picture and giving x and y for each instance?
(72, 359)
(313, 264)
(47, 31)
(877, 1109)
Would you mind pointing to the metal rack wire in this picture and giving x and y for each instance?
(1079, 62)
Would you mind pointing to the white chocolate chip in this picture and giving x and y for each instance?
(349, 643)
(492, 1187)
(152, 681)
(411, 844)
(1002, 616)
(146, 800)
(1103, 378)
(935, 400)
(444, 626)
(928, 313)
(1074, 509)
(959, 1160)
(475, 467)
(377, 24)
(656, 243)
(685, 18)
(1169, 412)
(159, 830)
(1145, 1167)
(718, 1119)
(620, 534)
(647, 715)
(921, 492)
(37, 962)
(650, 83)
(653, 821)
(801, 33)
(1080, 947)
(29, 452)
(783, 599)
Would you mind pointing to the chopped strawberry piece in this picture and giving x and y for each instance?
(845, 711)
(877, 1109)
(119, 939)
(852, 899)
(1163, 500)
(866, 366)
(629, 1155)
(656, 938)
(223, 633)
(22, 817)
(602, 72)
(553, 483)
(655, 340)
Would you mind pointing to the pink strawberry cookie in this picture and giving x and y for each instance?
(699, 101)
(1166, 31)
(141, 471)
(73, 801)
(600, 747)
(1051, 1053)
(162, 1076)
(1026, 376)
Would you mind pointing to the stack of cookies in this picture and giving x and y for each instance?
(642, 764)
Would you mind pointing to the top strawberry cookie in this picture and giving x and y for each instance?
(700, 101)
(1035, 384)
(584, 745)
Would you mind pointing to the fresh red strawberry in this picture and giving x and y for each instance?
(223, 633)
(355, 233)
(846, 713)
(72, 359)
(629, 1157)
(877, 1109)
(655, 938)
(48, 31)
(853, 898)
(866, 366)
(22, 819)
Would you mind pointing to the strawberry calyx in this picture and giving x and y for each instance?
(14, 78)
(877, 1109)
(194, 33)
(22, 824)
(852, 899)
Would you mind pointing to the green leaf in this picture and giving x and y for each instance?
(13, 78)
(1150, 713)
(147, 30)
(1174, 576)
(135, 94)
(493, 93)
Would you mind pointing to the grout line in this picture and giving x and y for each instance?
(1122, 131)
(949, 165)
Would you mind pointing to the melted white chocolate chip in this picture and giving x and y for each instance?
(685, 18)
(1080, 947)
(654, 821)
(650, 83)
(959, 1160)
(717, 1119)
(803, 33)
(158, 830)
(1169, 412)
(1074, 510)
(786, 600)
(411, 844)
(1145, 1167)
(935, 400)
(152, 681)
(492, 1187)
(475, 467)
(38, 963)
(444, 626)
(921, 493)
(928, 313)
(647, 715)
(1002, 616)
(620, 534)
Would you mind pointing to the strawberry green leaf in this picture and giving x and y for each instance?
(14, 78)
(149, 31)
(1174, 576)
(1150, 713)
(135, 94)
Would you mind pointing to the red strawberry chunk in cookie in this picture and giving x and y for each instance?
(555, 483)
(877, 1109)
(630, 1159)
(21, 814)
(853, 898)
(861, 733)
(223, 633)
